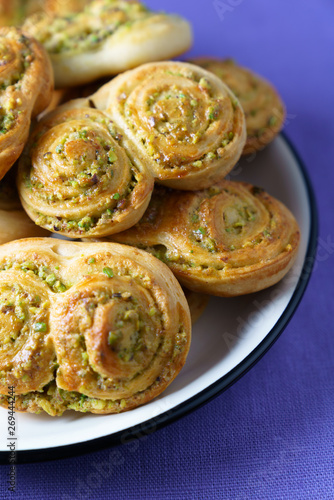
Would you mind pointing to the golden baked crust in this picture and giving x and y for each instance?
(181, 120)
(94, 327)
(9, 12)
(88, 168)
(14, 222)
(229, 240)
(13, 12)
(75, 179)
(106, 38)
(64, 7)
(263, 107)
(26, 83)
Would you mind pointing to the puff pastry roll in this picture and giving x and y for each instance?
(106, 38)
(231, 239)
(26, 84)
(94, 327)
(263, 107)
(14, 222)
(75, 179)
(181, 120)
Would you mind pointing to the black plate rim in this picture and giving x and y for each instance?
(206, 395)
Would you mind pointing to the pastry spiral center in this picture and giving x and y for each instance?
(122, 338)
(229, 220)
(112, 330)
(74, 159)
(180, 118)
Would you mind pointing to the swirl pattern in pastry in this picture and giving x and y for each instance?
(27, 357)
(182, 120)
(263, 107)
(90, 327)
(106, 38)
(75, 179)
(26, 84)
(231, 239)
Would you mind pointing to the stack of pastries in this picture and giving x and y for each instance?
(135, 167)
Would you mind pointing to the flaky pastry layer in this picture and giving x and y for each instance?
(75, 178)
(94, 327)
(26, 84)
(231, 239)
(179, 119)
(106, 38)
(263, 107)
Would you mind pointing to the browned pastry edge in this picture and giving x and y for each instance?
(67, 276)
(259, 96)
(231, 239)
(24, 97)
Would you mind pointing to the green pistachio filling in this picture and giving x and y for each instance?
(43, 272)
(86, 31)
(90, 176)
(89, 223)
(10, 106)
(178, 115)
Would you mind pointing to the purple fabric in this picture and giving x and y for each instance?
(270, 436)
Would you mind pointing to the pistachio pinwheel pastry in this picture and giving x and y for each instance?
(231, 239)
(181, 120)
(106, 38)
(26, 84)
(76, 180)
(97, 327)
(14, 222)
(263, 107)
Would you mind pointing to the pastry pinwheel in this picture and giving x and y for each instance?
(106, 38)
(26, 85)
(89, 166)
(98, 327)
(228, 240)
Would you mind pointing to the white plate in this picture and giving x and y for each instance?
(231, 335)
